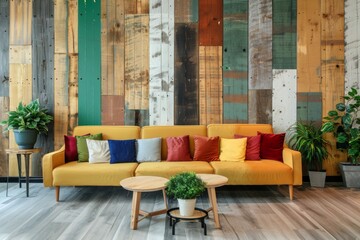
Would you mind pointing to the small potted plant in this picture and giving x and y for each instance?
(185, 187)
(27, 121)
(344, 123)
(308, 139)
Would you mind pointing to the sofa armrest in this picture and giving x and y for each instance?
(292, 158)
(49, 162)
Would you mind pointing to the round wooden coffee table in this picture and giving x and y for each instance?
(212, 181)
(141, 184)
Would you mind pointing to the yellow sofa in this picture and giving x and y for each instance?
(57, 173)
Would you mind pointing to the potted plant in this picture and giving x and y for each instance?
(27, 121)
(185, 187)
(308, 139)
(344, 123)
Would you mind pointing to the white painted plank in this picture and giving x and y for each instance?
(161, 71)
(352, 44)
(283, 99)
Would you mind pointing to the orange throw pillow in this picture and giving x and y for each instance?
(206, 149)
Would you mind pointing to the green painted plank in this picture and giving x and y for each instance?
(309, 107)
(195, 11)
(284, 34)
(235, 61)
(89, 63)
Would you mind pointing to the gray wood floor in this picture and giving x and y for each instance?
(245, 213)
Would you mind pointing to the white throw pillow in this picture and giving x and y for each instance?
(98, 151)
(148, 150)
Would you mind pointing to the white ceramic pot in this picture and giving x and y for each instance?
(187, 207)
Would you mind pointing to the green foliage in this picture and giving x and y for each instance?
(309, 141)
(30, 116)
(185, 185)
(344, 122)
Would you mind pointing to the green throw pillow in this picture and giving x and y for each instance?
(83, 151)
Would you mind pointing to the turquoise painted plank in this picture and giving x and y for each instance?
(235, 61)
(284, 34)
(195, 11)
(309, 107)
(89, 63)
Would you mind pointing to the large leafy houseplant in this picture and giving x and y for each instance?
(308, 139)
(27, 121)
(344, 123)
(30, 116)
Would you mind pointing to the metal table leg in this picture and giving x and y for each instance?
(19, 167)
(27, 173)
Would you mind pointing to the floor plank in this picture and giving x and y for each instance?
(246, 212)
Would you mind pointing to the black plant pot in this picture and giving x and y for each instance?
(26, 139)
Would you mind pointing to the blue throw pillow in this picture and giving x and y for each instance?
(122, 151)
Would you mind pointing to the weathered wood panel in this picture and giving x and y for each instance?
(112, 60)
(308, 46)
(284, 34)
(352, 44)
(4, 80)
(260, 44)
(161, 69)
(4, 136)
(210, 85)
(235, 61)
(309, 107)
(186, 11)
(20, 22)
(4, 48)
(284, 99)
(260, 106)
(73, 70)
(210, 22)
(137, 6)
(332, 53)
(43, 72)
(186, 74)
(136, 62)
(89, 63)
(61, 72)
(260, 64)
(20, 60)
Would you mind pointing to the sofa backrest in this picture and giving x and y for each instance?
(173, 131)
(229, 130)
(109, 132)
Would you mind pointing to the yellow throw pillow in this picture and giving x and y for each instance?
(233, 150)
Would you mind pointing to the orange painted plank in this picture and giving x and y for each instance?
(210, 22)
(308, 46)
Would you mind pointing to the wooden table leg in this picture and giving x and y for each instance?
(27, 166)
(165, 199)
(213, 202)
(135, 209)
(19, 167)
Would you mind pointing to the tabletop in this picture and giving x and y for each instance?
(144, 183)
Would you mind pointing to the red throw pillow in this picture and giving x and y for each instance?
(178, 148)
(271, 146)
(252, 146)
(71, 153)
(206, 149)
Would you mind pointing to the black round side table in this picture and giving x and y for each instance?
(175, 217)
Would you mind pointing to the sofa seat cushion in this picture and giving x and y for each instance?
(99, 174)
(168, 169)
(264, 172)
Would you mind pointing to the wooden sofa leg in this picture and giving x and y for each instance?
(291, 192)
(57, 193)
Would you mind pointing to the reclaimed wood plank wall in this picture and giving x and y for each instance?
(176, 62)
(4, 79)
